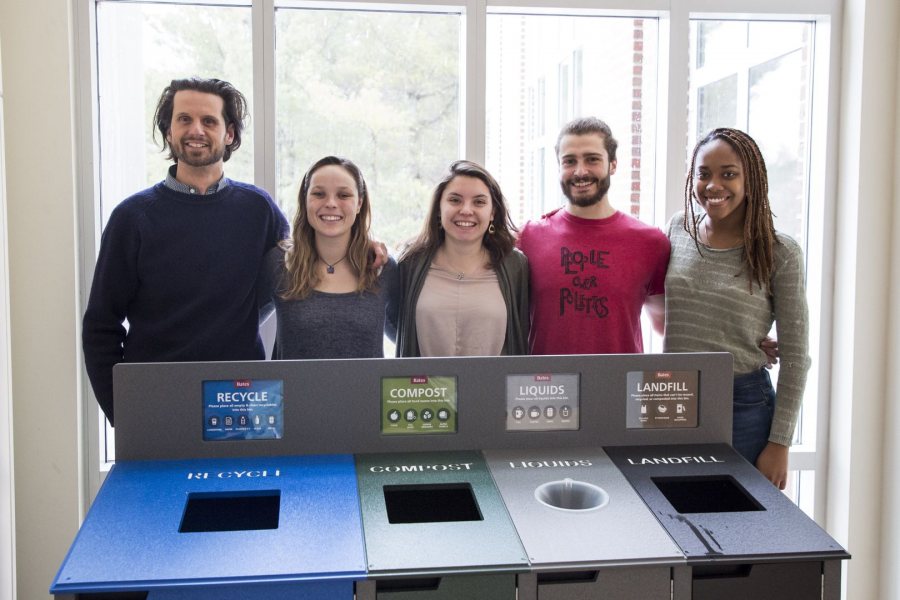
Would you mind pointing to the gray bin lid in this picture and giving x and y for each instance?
(573, 508)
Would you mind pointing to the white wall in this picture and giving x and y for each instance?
(43, 285)
(7, 564)
(857, 493)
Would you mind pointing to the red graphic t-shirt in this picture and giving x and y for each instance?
(589, 281)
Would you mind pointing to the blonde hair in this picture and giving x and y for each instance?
(300, 254)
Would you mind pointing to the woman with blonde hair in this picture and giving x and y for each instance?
(330, 300)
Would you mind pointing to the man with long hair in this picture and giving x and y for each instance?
(180, 260)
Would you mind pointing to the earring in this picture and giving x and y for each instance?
(491, 229)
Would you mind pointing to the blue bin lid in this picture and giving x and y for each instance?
(283, 508)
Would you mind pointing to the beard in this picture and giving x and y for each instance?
(199, 157)
(586, 201)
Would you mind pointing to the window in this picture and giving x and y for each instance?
(602, 66)
(141, 46)
(756, 76)
(405, 88)
(380, 88)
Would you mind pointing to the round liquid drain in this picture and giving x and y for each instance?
(572, 495)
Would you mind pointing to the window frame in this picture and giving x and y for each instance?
(672, 132)
(7, 501)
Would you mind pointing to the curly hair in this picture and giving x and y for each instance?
(234, 110)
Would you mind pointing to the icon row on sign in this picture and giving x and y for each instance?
(535, 412)
(258, 421)
(410, 415)
(663, 409)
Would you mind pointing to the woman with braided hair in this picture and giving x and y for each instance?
(731, 276)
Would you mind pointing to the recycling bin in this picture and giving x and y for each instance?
(585, 530)
(220, 529)
(606, 477)
(742, 538)
(436, 528)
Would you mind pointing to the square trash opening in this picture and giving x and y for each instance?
(706, 494)
(231, 511)
(431, 503)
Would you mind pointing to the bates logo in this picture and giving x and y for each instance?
(418, 379)
(243, 383)
(543, 377)
(663, 375)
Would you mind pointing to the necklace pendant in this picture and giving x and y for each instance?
(460, 276)
(330, 269)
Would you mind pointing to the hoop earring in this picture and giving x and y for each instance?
(491, 229)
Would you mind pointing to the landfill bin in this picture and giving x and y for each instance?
(742, 537)
(436, 529)
(220, 528)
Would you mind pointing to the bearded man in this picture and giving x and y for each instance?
(593, 268)
(179, 261)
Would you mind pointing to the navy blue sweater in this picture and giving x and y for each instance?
(182, 269)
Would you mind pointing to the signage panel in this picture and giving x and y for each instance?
(243, 409)
(542, 402)
(662, 399)
(421, 404)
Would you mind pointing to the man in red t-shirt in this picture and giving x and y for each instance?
(592, 267)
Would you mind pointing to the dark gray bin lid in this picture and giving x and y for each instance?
(717, 506)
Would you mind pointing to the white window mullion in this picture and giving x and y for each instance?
(672, 130)
(820, 235)
(88, 186)
(474, 81)
(7, 502)
(264, 94)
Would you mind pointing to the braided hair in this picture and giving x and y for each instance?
(759, 228)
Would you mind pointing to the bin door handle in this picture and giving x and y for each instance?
(560, 577)
(722, 571)
(415, 584)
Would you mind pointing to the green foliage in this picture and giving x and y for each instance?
(381, 89)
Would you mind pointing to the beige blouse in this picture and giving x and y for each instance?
(460, 315)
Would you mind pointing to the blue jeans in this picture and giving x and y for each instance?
(754, 406)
